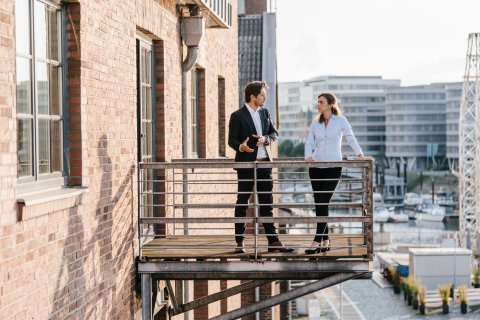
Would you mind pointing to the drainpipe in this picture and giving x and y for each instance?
(192, 28)
(192, 53)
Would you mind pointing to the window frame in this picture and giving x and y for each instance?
(146, 114)
(195, 113)
(144, 42)
(53, 179)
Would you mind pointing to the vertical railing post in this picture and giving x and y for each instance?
(174, 195)
(185, 199)
(255, 210)
(140, 208)
(146, 296)
(368, 210)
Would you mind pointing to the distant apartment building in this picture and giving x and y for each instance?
(453, 98)
(296, 109)
(362, 99)
(257, 46)
(416, 126)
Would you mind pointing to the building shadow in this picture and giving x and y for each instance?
(97, 278)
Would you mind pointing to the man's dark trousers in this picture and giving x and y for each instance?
(264, 193)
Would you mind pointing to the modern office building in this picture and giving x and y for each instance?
(296, 109)
(362, 99)
(415, 126)
(453, 98)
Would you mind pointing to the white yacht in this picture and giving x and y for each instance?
(381, 214)
(431, 212)
(413, 201)
(398, 216)
(384, 215)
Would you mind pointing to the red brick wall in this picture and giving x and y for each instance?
(265, 291)
(77, 261)
(74, 88)
(200, 288)
(255, 6)
(8, 146)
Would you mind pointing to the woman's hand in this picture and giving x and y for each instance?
(363, 157)
(309, 159)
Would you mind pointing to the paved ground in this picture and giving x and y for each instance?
(364, 299)
(382, 304)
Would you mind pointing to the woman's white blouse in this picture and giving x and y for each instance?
(325, 144)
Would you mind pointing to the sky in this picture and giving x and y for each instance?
(416, 41)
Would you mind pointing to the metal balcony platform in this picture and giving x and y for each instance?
(223, 247)
(213, 258)
(186, 232)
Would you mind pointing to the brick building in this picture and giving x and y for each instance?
(87, 90)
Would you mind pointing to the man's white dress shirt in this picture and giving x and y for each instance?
(262, 151)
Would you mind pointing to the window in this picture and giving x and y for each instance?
(293, 99)
(293, 90)
(198, 126)
(145, 100)
(145, 119)
(195, 114)
(40, 106)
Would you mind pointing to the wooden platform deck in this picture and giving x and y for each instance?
(343, 246)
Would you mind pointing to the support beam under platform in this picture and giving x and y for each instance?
(289, 295)
(254, 270)
(146, 296)
(218, 296)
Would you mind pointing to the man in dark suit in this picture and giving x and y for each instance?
(250, 134)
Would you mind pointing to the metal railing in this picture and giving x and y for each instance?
(189, 205)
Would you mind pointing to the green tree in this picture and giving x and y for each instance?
(298, 150)
(285, 148)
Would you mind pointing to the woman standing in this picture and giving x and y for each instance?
(324, 143)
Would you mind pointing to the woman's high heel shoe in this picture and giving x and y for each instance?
(322, 247)
(313, 251)
(314, 248)
(325, 246)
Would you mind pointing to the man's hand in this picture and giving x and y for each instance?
(309, 159)
(245, 148)
(261, 139)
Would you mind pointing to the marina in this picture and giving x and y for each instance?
(421, 228)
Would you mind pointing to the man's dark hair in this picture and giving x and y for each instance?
(254, 88)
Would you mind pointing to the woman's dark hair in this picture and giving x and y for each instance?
(332, 101)
(254, 88)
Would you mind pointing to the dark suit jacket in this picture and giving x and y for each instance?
(241, 126)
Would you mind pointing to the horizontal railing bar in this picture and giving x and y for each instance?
(233, 245)
(253, 228)
(248, 192)
(233, 205)
(259, 219)
(307, 237)
(246, 165)
(234, 181)
(223, 172)
(229, 160)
